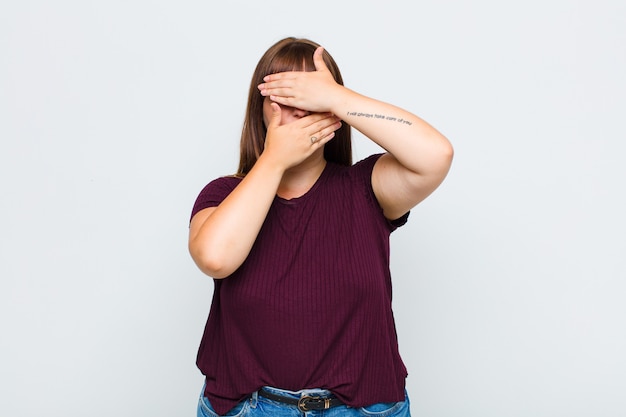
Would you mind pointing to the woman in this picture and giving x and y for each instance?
(298, 245)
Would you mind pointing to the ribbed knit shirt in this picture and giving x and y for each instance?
(310, 307)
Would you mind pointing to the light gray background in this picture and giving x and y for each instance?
(509, 280)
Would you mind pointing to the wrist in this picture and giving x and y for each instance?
(269, 165)
(341, 99)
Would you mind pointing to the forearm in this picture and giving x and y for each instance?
(223, 241)
(416, 145)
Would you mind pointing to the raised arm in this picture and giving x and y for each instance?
(418, 156)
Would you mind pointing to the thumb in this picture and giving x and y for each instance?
(275, 116)
(318, 59)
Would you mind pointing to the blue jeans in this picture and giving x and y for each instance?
(258, 406)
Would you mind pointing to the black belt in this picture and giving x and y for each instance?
(306, 403)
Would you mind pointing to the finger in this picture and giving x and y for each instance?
(280, 76)
(321, 131)
(276, 91)
(317, 121)
(277, 83)
(327, 138)
(323, 141)
(327, 130)
(285, 101)
(318, 59)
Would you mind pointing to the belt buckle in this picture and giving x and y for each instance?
(303, 402)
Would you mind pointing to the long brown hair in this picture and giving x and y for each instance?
(286, 55)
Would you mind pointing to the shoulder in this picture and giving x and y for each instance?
(368, 162)
(366, 165)
(361, 170)
(352, 178)
(215, 192)
(355, 183)
(221, 184)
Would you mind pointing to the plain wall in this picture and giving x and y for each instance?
(509, 280)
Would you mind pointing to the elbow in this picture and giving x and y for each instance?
(443, 155)
(441, 163)
(446, 150)
(214, 270)
(447, 155)
(210, 263)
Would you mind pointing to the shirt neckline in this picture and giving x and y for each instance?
(309, 192)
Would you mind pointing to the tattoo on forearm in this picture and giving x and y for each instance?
(379, 116)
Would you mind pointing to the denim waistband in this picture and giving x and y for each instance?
(319, 392)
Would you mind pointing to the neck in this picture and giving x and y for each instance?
(298, 180)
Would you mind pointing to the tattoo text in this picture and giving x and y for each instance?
(379, 116)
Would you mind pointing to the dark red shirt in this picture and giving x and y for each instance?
(311, 305)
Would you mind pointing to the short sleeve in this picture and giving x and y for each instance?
(363, 172)
(214, 193)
